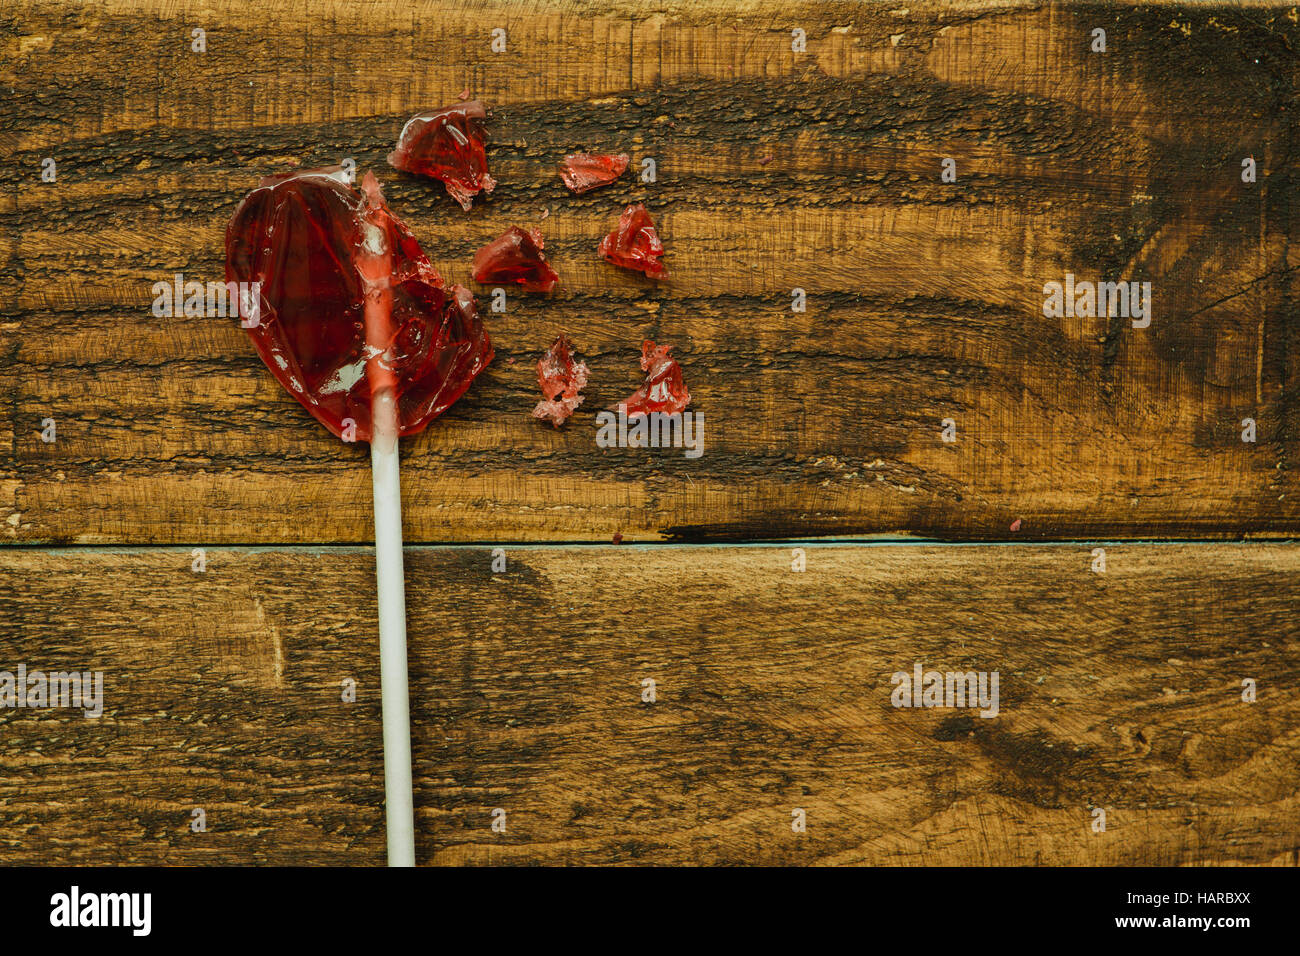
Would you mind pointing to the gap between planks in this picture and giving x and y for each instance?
(342, 548)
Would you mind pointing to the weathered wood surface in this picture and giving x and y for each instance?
(925, 298)
(1119, 690)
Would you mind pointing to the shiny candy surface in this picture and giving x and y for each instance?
(634, 244)
(318, 249)
(663, 390)
(516, 256)
(560, 379)
(447, 144)
(583, 172)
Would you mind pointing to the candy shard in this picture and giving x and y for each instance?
(635, 244)
(663, 390)
(583, 172)
(447, 144)
(516, 256)
(349, 304)
(560, 378)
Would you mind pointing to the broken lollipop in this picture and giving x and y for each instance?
(300, 237)
(583, 172)
(448, 144)
(560, 378)
(353, 320)
(516, 256)
(634, 244)
(663, 390)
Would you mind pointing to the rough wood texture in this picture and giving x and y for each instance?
(925, 298)
(1119, 690)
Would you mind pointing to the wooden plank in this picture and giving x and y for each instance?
(1119, 690)
(925, 298)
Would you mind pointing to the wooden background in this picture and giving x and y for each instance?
(776, 170)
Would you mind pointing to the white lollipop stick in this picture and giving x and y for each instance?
(375, 263)
(390, 582)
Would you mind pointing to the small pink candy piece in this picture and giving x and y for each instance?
(560, 378)
(583, 172)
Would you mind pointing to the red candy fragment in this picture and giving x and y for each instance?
(663, 390)
(319, 251)
(560, 379)
(447, 144)
(583, 172)
(635, 244)
(516, 256)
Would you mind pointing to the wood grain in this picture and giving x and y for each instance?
(1119, 690)
(924, 298)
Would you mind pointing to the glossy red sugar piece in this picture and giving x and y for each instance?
(560, 378)
(635, 244)
(318, 249)
(663, 390)
(447, 144)
(583, 172)
(516, 256)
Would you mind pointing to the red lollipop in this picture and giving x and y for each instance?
(351, 317)
(301, 236)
